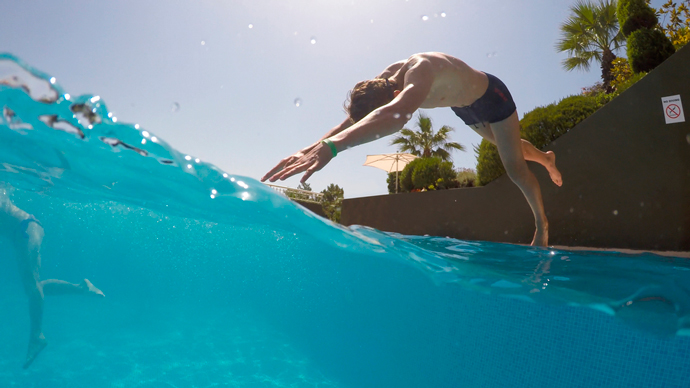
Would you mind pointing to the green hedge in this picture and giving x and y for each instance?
(647, 48)
(434, 174)
(424, 174)
(635, 14)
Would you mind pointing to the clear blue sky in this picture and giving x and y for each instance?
(236, 67)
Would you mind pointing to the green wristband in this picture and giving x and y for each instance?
(331, 146)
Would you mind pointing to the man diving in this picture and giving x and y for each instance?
(382, 106)
(25, 233)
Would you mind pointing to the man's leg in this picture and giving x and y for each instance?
(61, 287)
(29, 263)
(507, 136)
(529, 152)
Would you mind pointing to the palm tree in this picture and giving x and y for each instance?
(590, 34)
(425, 143)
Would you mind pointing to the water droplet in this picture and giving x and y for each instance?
(189, 166)
(213, 196)
(52, 80)
(313, 40)
(197, 160)
(372, 21)
(572, 210)
(251, 26)
(425, 18)
(67, 97)
(298, 102)
(143, 141)
(408, 116)
(154, 139)
(396, 115)
(136, 126)
(443, 14)
(225, 175)
(175, 107)
(203, 43)
(114, 119)
(615, 212)
(213, 191)
(188, 157)
(95, 98)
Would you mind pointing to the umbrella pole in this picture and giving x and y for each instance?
(396, 175)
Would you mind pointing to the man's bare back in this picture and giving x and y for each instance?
(454, 82)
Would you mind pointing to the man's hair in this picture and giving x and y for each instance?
(367, 96)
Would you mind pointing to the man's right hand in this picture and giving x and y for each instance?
(281, 165)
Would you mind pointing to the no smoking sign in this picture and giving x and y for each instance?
(673, 109)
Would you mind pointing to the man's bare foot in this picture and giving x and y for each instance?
(541, 238)
(91, 289)
(551, 168)
(36, 344)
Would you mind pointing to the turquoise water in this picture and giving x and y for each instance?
(215, 280)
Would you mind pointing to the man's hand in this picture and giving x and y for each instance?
(311, 160)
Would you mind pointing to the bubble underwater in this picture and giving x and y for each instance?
(216, 280)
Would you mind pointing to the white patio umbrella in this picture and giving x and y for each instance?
(390, 163)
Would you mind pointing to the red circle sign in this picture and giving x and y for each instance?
(673, 111)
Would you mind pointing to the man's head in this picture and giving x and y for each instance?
(369, 95)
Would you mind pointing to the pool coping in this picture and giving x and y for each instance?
(679, 254)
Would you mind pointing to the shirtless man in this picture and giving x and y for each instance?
(382, 106)
(25, 233)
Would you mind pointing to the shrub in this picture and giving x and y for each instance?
(426, 174)
(647, 48)
(489, 165)
(620, 88)
(405, 176)
(621, 72)
(466, 177)
(634, 15)
(391, 182)
(332, 201)
(434, 174)
(543, 125)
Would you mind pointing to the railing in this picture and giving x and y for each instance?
(302, 195)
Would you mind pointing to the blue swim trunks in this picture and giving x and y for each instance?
(24, 225)
(495, 105)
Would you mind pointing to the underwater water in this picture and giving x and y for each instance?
(215, 280)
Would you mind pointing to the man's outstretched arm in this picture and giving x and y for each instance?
(388, 72)
(383, 121)
(292, 158)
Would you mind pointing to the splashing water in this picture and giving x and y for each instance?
(214, 279)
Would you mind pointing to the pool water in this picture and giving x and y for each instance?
(215, 280)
